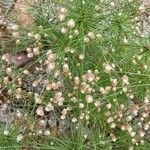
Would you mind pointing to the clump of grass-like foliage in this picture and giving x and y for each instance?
(87, 83)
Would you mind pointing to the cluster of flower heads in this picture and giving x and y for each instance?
(134, 119)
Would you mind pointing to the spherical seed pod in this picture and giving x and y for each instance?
(49, 107)
(97, 103)
(14, 27)
(89, 98)
(58, 96)
(113, 125)
(76, 80)
(63, 10)
(99, 36)
(17, 41)
(37, 36)
(74, 120)
(97, 7)
(81, 56)
(141, 133)
(36, 51)
(81, 105)
(76, 32)
(42, 123)
(91, 35)
(133, 134)
(65, 68)
(40, 111)
(63, 30)
(30, 55)
(86, 40)
(63, 117)
(114, 82)
(129, 118)
(133, 141)
(26, 72)
(61, 17)
(6, 80)
(110, 119)
(16, 34)
(112, 4)
(108, 106)
(47, 132)
(71, 23)
(6, 132)
(107, 67)
(9, 71)
(90, 76)
(51, 66)
(125, 79)
(19, 137)
(30, 34)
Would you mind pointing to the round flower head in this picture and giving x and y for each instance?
(61, 17)
(89, 98)
(40, 111)
(86, 40)
(36, 51)
(125, 79)
(63, 10)
(91, 35)
(64, 30)
(9, 71)
(65, 68)
(15, 27)
(6, 132)
(71, 23)
(90, 76)
(19, 137)
(37, 36)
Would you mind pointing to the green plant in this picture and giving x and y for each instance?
(88, 76)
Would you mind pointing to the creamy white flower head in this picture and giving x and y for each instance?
(86, 40)
(40, 111)
(47, 132)
(14, 27)
(81, 56)
(49, 107)
(65, 68)
(107, 67)
(6, 132)
(26, 72)
(74, 119)
(16, 34)
(125, 79)
(97, 7)
(97, 103)
(63, 10)
(51, 66)
(61, 17)
(71, 23)
(91, 35)
(9, 71)
(125, 41)
(37, 36)
(64, 30)
(89, 98)
(81, 105)
(36, 51)
(19, 137)
(90, 76)
(76, 32)
(76, 80)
